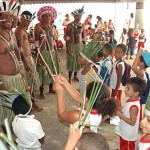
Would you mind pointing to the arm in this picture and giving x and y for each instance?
(19, 37)
(71, 90)
(74, 136)
(68, 36)
(135, 68)
(119, 78)
(133, 116)
(68, 116)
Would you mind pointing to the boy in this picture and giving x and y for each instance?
(88, 140)
(142, 40)
(130, 114)
(117, 72)
(145, 125)
(106, 63)
(131, 42)
(139, 66)
(28, 130)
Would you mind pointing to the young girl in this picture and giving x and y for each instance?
(86, 74)
(103, 105)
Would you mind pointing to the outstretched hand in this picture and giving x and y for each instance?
(58, 88)
(60, 79)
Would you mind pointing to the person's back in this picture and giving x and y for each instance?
(28, 130)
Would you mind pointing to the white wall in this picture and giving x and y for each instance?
(117, 12)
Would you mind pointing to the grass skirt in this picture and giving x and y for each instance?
(11, 83)
(35, 79)
(72, 60)
(45, 78)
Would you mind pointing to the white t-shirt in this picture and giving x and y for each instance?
(94, 119)
(113, 77)
(28, 132)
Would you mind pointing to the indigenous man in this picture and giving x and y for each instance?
(45, 29)
(24, 47)
(75, 38)
(10, 77)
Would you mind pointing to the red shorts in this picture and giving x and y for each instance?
(141, 44)
(126, 145)
(118, 96)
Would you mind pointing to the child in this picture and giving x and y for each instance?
(117, 72)
(86, 74)
(85, 141)
(131, 42)
(142, 40)
(106, 63)
(98, 61)
(145, 125)
(139, 67)
(28, 130)
(103, 105)
(130, 114)
(112, 41)
(124, 37)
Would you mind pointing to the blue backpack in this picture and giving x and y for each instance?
(104, 73)
(145, 95)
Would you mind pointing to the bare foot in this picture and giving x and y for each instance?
(76, 79)
(37, 107)
(52, 91)
(42, 96)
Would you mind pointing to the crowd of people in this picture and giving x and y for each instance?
(29, 61)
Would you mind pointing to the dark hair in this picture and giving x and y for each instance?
(103, 104)
(96, 25)
(20, 105)
(100, 54)
(111, 31)
(66, 15)
(142, 60)
(27, 13)
(124, 30)
(122, 47)
(90, 16)
(92, 141)
(108, 47)
(99, 18)
(138, 84)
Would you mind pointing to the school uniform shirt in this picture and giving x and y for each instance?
(126, 131)
(144, 144)
(84, 80)
(28, 132)
(94, 119)
(113, 77)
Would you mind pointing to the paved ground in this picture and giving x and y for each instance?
(56, 130)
